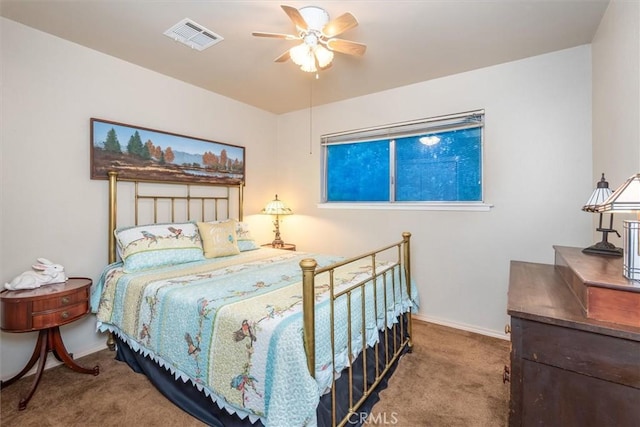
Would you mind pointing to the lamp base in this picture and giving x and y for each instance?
(603, 248)
(278, 243)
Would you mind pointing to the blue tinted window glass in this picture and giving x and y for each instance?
(358, 172)
(442, 166)
(442, 162)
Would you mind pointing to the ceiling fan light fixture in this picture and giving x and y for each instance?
(300, 54)
(305, 57)
(309, 66)
(317, 32)
(324, 56)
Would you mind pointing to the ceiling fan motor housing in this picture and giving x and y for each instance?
(315, 17)
(311, 38)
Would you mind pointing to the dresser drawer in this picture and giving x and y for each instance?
(60, 301)
(557, 397)
(599, 356)
(48, 319)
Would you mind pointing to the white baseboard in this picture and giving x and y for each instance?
(462, 326)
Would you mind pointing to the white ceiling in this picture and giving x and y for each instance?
(407, 41)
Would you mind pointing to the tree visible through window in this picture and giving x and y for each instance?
(431, 160)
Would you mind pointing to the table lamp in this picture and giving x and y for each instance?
(627, 199)
(598, 197)
(277, 207)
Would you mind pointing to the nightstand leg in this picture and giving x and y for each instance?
(56, 345)
(42, 338)
(43, 358)
(48, 340)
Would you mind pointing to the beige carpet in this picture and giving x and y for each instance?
(452, 378)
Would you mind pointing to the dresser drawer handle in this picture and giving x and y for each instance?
(65, 300)
(64, 315)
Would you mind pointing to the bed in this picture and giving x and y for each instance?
(238, 334)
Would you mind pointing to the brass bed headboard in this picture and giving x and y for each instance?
(220, 204)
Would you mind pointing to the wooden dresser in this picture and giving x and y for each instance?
(567, 367)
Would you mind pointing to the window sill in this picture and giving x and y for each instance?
(417, 206)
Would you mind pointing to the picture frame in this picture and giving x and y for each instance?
(139, 153)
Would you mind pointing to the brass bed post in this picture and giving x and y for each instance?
(113, 188)
(240, 201)
(406, 237)
(308, 267)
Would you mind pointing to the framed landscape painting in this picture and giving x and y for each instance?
(139, 153)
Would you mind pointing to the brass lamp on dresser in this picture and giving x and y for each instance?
(575, 342)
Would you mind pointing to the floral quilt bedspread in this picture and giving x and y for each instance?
(233, 326)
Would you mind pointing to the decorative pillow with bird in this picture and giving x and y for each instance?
(243, 235)
(155, 245)
(219, 238)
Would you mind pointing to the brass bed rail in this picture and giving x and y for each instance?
(402, 266)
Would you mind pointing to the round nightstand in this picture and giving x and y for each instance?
(285, 246)
(45, 309)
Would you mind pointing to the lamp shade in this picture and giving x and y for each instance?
(301, 54)
(309, 53)
(598, 197)
(276, 207)
(324, 56)
(625, 199)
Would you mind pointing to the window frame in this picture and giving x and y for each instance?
(439, 124)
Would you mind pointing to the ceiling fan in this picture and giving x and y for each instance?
(317, 34)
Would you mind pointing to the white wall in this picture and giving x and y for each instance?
(537, 174)
(538, 159)
(50, 208)
(616, 99)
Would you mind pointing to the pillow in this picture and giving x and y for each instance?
(156, 245)
(245, 240)
(247, 245)
(242, 231)
(219, 238)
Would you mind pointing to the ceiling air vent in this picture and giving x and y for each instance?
(193, 35)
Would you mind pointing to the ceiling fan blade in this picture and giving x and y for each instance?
(283, 58)
(339, 25)
(295, 16)
(346, 46)
(275, 35)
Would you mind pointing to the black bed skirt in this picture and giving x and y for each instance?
(187, 397)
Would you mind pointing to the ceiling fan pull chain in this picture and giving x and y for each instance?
(311, 116)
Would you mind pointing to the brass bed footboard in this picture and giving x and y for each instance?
(395, 345)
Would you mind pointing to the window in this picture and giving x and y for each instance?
(425, 161)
